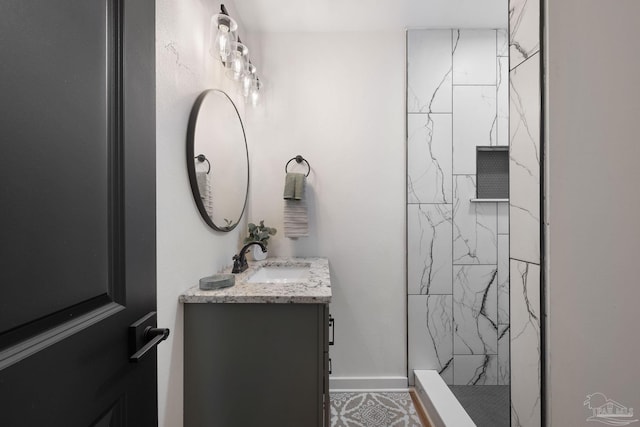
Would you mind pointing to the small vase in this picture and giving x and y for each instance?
(258, 255)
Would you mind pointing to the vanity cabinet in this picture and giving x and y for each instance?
(256, 365)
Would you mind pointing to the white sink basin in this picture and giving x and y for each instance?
(280, 274)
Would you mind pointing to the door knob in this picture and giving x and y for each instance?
(143, 332)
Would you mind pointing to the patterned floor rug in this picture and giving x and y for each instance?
(373, 410)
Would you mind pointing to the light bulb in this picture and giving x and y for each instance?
(237, 66)
(254, 92)
(254, 97)
(247, 78)
(246, 84)
(223, 43)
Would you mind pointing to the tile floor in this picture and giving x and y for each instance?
(381, 409)
(487, 405)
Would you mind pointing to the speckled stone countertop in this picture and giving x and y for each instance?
(316, 289)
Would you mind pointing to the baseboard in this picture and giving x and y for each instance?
(368, 383)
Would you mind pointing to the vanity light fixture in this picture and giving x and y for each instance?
(227, 47)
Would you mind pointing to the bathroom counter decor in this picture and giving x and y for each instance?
(314, 289)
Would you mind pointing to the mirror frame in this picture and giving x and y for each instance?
(191, 168)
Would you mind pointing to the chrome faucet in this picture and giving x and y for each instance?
(240, 260)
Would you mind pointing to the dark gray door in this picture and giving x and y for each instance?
(77, 211)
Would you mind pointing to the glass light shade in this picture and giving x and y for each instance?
(237, 61)
(223, 36)
(247, 78)
(254, 92)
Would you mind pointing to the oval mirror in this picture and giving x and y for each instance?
(217, 160)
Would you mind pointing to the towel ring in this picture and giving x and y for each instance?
(298, 159)
(202, 158)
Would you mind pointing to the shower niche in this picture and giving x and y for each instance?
(492, 176)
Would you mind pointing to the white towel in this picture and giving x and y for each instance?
(204, 187)
(296, 217)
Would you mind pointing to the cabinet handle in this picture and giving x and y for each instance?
(330, 368)
(332, 326)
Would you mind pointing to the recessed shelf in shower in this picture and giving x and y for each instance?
(492, 174)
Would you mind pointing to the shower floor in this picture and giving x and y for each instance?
(487, 405)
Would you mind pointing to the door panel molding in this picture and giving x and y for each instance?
(113, 285)
(53, 336)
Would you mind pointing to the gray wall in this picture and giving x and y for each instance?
(593, 117)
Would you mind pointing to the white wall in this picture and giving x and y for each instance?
(593, 204)
(337, 99)
(186, 248)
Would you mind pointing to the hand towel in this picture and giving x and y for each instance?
(296, 215)
(204, 187)
(294, 186)
(296, 222)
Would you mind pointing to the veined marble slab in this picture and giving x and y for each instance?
(524, 162)
(474, 54)
(429, 158)
(429, 255)
(524, 23)
(502, 100)
(525, 344)
(481, 369)
(504, 365)
(503, 279)
(474, 124)
(474, 225)
(475, 310)
(503, 218)
(503, 42)
(430, 331)
(316, 289)
(429, 71)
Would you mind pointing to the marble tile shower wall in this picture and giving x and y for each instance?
(458, 251)
(524, 206)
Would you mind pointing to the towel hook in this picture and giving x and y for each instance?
(202, 158)
(298, 159)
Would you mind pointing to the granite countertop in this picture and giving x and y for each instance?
(316, 289)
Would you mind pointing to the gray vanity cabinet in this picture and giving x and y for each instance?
(255, 365)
